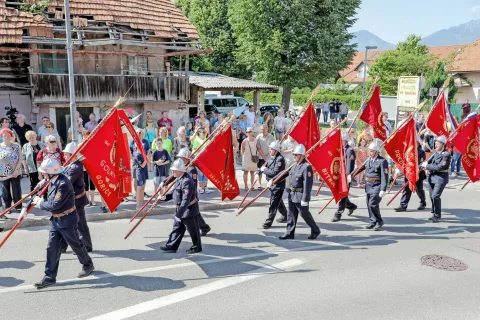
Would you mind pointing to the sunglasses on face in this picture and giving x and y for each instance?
(52, 141)
(48, 127)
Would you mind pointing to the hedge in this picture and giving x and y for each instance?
(300, 99)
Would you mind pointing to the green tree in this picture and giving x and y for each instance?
(210, 17)
(435, 78)
(294, 43)
(410, 58)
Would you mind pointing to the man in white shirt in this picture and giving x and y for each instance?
(279, 123)
(250, 113)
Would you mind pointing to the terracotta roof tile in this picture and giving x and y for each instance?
(468, 59)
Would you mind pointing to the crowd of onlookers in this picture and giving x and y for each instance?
(336, 109)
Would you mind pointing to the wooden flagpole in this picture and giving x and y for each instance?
(398, 192)
(324, 207)
(319, 188)
(367, 97)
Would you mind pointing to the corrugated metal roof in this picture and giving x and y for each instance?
(210, 80)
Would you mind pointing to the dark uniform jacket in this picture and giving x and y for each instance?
(273, 168)
(350, 158)
(74, 172)
(421, 157)
(376, 168)
(60, 199)
(438, 165)
(192, 171)
(301, 182)
(184, 195)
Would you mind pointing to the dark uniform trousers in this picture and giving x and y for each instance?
(301, 181)
(345, 204)
(60, 200)
(407, 193)
(186, 215)
(204, 227)
(438, 165)
(375, 169)
(373, 205)
(350, 157)
(75, 173)
(273, 167)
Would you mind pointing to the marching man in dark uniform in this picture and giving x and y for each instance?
(301, 181)
(407, 193)
(274, 166)
(74, 172)
(350, 158)
(185, 154)
(63, 222)
(186, 215)
(437, 169)
(376, 178)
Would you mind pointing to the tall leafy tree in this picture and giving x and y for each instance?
(210, 17)
(293, 43)
(410, 58)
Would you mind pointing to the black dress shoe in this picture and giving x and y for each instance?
(282, 220)
(336, 218)
(351, 210)
(286, 236)
(167, 249)
(89, 249)
(431, 218)
(370, 226)
(205, 231)
(86, 272)
(421, 207)
(266, 226)
(44, 283)
(104, 209)
(400, 209)
(64, 250)
(193, 250)
(435, 219)
(313, 236)
(379, 226)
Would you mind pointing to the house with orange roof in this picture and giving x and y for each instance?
(465, 68)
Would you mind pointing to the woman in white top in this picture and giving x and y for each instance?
(202, 122)
(249, 149)
(279, 123)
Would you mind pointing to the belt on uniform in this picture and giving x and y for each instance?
(372, 179)
(191, 203)
(78, 196)
(63, 214)
(296, 189)
(440, 171)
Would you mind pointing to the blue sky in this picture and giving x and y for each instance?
(394, 20)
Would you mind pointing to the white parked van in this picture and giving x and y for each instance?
(225, 104)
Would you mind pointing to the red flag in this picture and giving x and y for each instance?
(329, 160)
(402, 148)
(372, 114)
(107, 161)
(131, 130)
(307, 131)
(437, 120)
(466, 140)
(216, 162)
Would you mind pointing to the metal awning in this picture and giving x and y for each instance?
(215, 81)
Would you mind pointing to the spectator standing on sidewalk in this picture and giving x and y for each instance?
(180, 141)
(51, 132)
(263, 142)
(318, 108)
(92, 124)
(148, 116)
(343, 111)
(249, 154)
(42, 131)
(30, 152)
(10, 169)
(250, 115)
(326, 109)
(166, 123)
(279, 123)
(21, 128)
(197, 140)
(160, 160)
(203, 122)
(331, 107)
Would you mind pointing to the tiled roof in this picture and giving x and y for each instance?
(443, 52)
(13, 22)
(160, 16)
(468, 60)
(210, 80)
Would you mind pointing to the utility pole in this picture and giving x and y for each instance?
(365, 70)
(71, 80)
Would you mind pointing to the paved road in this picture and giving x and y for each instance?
(246, 272)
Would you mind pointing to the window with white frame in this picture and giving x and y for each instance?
(137, 65)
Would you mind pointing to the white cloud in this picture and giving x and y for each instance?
(476, 8)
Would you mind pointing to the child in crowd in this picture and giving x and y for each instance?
(160, 159)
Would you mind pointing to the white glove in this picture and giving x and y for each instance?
(397, 171)
(23, 214)
(38, 201)
(304, 203)
(41, 184)
(162, 184)
(262, 168)
(349, 178)
(381, 194)
(270, 183)
(424, 164)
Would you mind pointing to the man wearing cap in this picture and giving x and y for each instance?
(407, 193)
(350, 158)
(185, 154)
(437, 169)
(301, 181)
(376, 177)
(274, 166)
(74, 173)
(186, 215)
(63, 222)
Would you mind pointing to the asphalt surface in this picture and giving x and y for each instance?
(246, 272)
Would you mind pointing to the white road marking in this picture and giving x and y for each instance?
(170, 299)
(191, 263)
(445, 230)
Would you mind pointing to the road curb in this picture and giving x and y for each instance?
(44, 221)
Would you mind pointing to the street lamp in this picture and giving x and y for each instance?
(365, 70)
